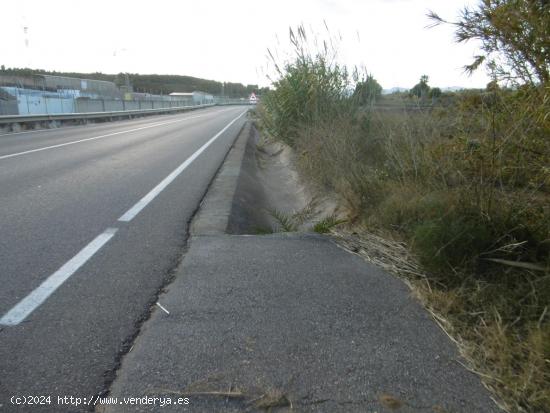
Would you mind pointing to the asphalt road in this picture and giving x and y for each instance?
(93, 223)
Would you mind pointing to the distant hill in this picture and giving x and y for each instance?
(156, 84)
(403, 89)
(452, 88)
(394, 90)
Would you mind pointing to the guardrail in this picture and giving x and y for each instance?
(232, 101)
(7, 120)
(236, 104)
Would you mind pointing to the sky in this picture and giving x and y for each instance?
(228, 40)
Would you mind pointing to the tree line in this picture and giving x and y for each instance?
(155, 84)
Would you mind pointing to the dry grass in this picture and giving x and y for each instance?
(270, 400)
(391, 255)
(390, 402)
(267, 399)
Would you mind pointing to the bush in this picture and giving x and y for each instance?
(451, 241)
(310, 88)
(466, 185)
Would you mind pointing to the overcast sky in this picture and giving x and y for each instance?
(228, 40)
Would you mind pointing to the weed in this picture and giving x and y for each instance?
(285, 222)
(270, 400)
(326, 224)
(292, 222)
(262, 231)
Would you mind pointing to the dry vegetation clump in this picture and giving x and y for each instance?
(465, 186)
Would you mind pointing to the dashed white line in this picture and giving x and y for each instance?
(28, 304)
(143, 202)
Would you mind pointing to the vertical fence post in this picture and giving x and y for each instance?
(27, 102)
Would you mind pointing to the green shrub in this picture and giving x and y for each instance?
(452, 241)
(326, 224)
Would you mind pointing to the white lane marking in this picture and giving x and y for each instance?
(32, 301)
(152, 125)
(143, 202)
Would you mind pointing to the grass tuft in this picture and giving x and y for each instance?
(326, 224)
(285, 222)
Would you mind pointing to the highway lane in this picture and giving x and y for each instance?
(20, 141)
(66, 192)
(55, 202)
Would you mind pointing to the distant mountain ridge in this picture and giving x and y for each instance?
(398, 89)
(394, 90)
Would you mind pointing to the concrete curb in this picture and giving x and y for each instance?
(215, 209)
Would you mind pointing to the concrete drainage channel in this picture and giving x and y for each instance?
(216, 211)
(236, 203)
(258, 192)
